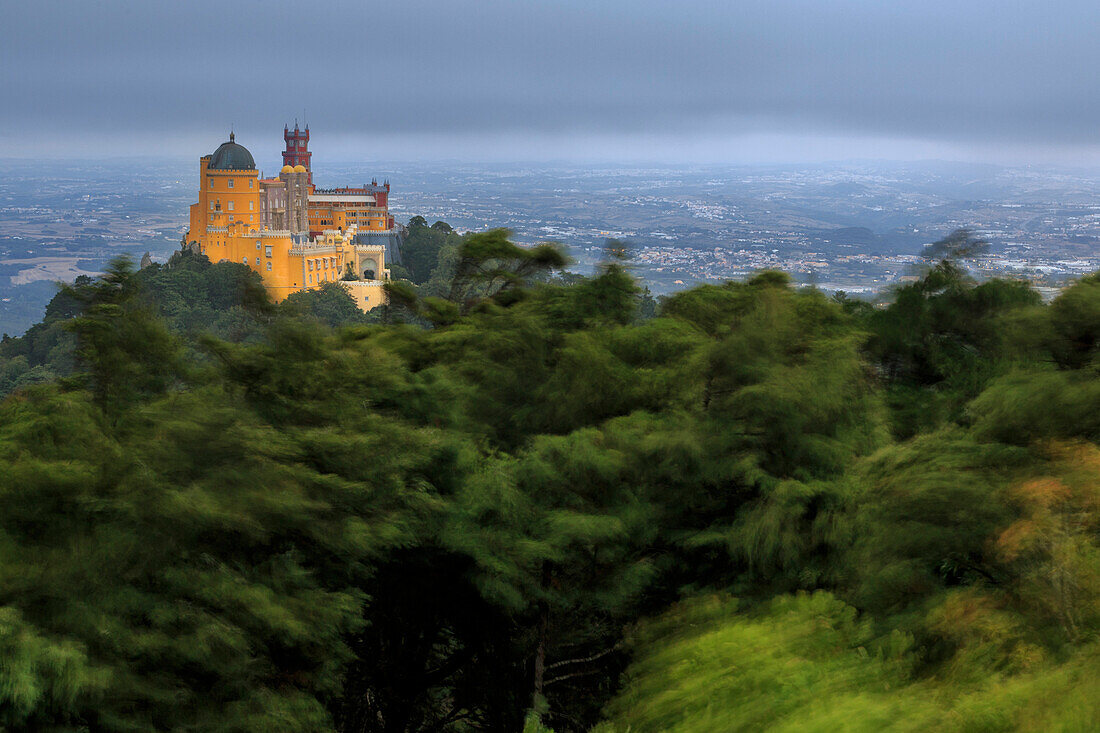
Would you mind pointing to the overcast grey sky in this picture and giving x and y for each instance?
(631, 80)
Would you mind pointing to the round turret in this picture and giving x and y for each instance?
(287, 169)
(231, 157)
(300, 169)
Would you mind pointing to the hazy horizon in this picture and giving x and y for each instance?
(267, 159)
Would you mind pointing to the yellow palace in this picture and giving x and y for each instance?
(297, 236)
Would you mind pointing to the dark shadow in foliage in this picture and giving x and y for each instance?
(434, 656)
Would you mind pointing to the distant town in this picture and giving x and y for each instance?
(858, 227)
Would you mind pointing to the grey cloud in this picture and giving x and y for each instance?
(955, 72)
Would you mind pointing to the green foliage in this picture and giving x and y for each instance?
(945, 337)
(125, 351)
(988, 584)
(611, 296)
(808, 663)
(914, 538)
(423, 245)
(44, 680)
(1075, 322)
(514, 499)
(330, 304)
(177, 553)
(704, 666)
(188, 293)
(193, 294)
(960, 244)
(490, 266)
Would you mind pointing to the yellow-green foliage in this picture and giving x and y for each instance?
(807, 663)
(708, 666)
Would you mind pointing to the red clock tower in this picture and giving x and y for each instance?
(297, 149)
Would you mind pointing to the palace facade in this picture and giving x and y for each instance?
(297, 236)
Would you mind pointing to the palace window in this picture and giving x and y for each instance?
(250, 182)
(230, 205)
(244, 260)
(229, 183)
(211, 205)
(251, 205)
(311, 264)
(267, 253)
(211, 184)
(269, 267)
(257, 262)
(258, 244)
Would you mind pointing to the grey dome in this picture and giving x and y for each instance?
(231, 157)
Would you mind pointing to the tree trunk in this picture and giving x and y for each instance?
(540, 658)
(544, 632)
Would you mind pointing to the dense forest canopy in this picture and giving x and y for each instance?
(518, 499)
